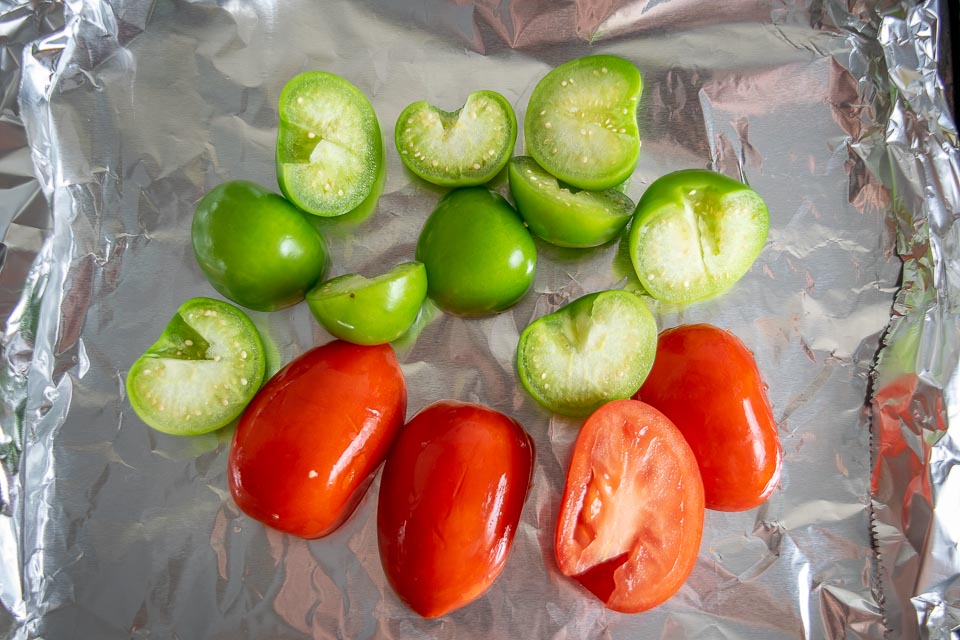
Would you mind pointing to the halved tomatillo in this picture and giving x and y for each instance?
(562, 215)
(201, 373)
(479, 256)
(581, 122)
(466, 147)
(329, 145)
(370, 311)
(695, 233)
(598, 348)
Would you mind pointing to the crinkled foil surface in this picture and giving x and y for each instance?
(129, 111)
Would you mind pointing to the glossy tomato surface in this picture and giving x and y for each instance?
(706, 381)
(631, 516)
(451, 495)
(308, 444)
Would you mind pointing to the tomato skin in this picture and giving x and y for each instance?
(631, 516)
(706, 381)
(307, 446)
(451, 494)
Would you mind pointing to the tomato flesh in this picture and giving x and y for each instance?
(451, 495)
(706, 381)
(631, 516)
(307, 446)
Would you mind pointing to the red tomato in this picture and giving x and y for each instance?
(631, 516)
(308, 444)
(707, 382)
(450, 500)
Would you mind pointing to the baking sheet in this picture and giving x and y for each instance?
(833, 112)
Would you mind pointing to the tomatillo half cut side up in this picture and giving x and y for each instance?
(566, 216)
(464, 148)
(201, 373)
(480, 258)
(329, 144)
(370, 310)
(581, 123)
(593, 350)
(695, 233)
(255, 247)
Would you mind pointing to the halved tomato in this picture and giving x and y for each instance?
(631, 517)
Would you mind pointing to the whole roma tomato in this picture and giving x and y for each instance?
(631, 516)
(307, 446)
(706, 381)
(451, 494)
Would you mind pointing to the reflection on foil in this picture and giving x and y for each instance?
(832, 110)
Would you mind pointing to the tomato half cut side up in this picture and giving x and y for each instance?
(631, 516)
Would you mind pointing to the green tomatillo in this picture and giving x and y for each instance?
(695, 233)
(255, 247)
(479, 257)
(201, 372)
(370, 311)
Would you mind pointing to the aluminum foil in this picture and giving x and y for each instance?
(833, 111)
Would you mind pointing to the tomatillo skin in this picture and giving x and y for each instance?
(563, 216)
(695, 233)
(255, 247)
(480, 258)
(370, 311)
